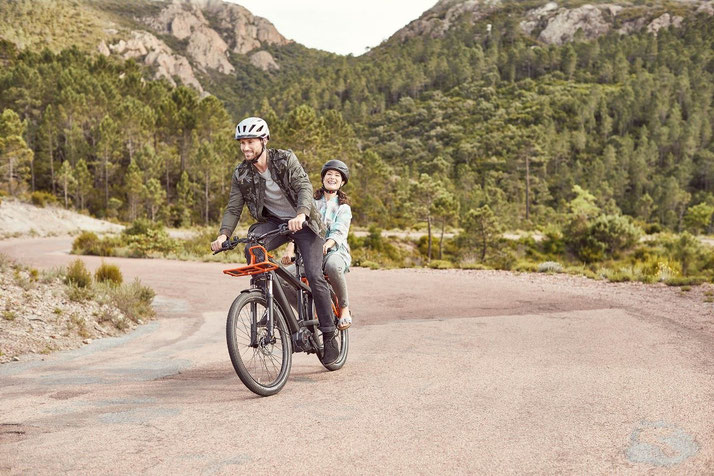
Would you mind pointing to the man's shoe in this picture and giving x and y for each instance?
(331, 352)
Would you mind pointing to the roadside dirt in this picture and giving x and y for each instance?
(21, 219)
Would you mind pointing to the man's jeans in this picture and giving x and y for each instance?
(310, 246)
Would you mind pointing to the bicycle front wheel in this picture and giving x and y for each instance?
(262, 362)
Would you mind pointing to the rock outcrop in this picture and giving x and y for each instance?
(242, 30)
(213, 28)
(664, 21)
(155, 53)
(552, 24)
(436, 21)
(562, 27)
(707, 8)
(185, 20)
(264, 60)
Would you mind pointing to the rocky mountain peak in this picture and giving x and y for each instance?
(552, 23)
(436, 21)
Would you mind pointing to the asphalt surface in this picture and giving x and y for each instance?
(465, 373)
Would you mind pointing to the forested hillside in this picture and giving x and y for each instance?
(483, 119)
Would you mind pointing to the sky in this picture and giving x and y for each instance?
(339, 26)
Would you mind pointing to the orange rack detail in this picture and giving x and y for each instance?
(254, 267)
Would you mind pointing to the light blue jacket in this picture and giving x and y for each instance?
(337, 219)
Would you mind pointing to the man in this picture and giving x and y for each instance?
(276, 190)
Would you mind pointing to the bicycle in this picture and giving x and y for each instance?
(262, 330)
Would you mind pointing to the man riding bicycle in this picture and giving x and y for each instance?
(276, 190)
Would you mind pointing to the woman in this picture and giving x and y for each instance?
(333, 205)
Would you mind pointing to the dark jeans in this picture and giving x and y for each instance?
(310, 246)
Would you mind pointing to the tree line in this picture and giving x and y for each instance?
(442, 132)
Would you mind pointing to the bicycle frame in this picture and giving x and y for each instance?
(263, 270)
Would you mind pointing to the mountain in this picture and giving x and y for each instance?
(510, 105)
(223, 47)
(556, 22)
(179, 39)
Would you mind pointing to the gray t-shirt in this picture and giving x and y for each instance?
(275, 200)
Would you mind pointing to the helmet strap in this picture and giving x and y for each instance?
(257, 158)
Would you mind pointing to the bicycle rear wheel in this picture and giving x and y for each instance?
(343, 342)
(343, 339)
(262, 364)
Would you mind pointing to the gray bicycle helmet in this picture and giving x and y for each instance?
(252, 128)
(338, 165)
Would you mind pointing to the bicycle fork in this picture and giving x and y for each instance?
(267, 319)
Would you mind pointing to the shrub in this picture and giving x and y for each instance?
(141, 226)
(78, 275)
(606, 235)
(550, 267)
(108, 273)
(440, 264)
(553, 243)
(40, 199)
(525, 266)
(698, 218)
(685, 281)
(617, 232)
(134, 300)
(474, 266)
(652, 228)
(687, 251)
(79, 294)
(87, 243)
(155, 241)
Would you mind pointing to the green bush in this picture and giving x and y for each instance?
(78, 275)
(652, 228)
(689, 252)
(617, 232)
(154, 242)
(87, 243)
(108, 273)
(525, 266)
(41, 199)
(685, 281)
(141, 226)
(605, 236)
(440, 264)
(79, 294)
(553, 243)
(134, 300)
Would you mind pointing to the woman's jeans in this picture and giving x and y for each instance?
(334, 267)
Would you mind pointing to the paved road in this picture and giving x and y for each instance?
(459, 372)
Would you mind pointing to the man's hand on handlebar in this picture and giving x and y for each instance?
(296, 223)
(218, 244)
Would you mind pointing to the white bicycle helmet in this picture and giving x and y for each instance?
(252, 128)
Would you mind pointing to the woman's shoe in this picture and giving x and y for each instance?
(345, 321)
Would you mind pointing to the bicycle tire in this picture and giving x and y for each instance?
(343, 340)
(260, 368)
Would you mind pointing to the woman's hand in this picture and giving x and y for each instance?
(328, 244)
(288, 254)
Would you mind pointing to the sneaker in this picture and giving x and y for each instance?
(331, 352)
(345, 321)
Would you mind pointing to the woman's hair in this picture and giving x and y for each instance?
(342, 197)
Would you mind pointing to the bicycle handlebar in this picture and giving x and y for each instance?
(253, 238)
